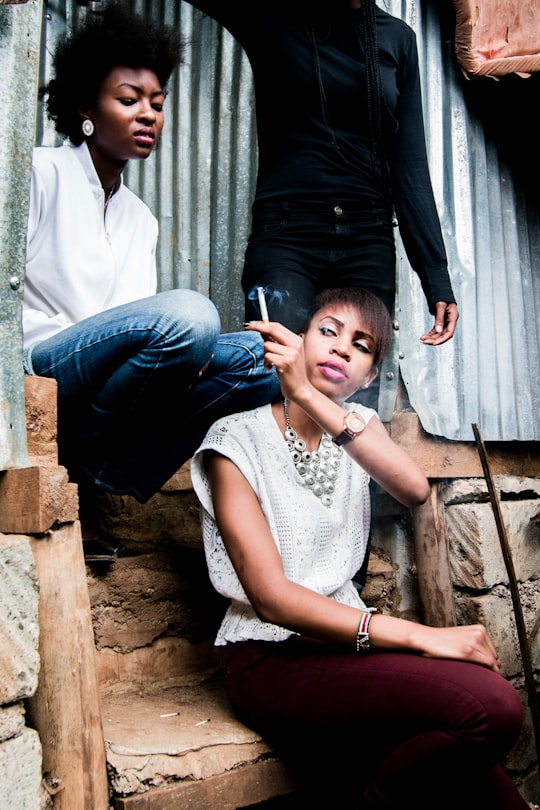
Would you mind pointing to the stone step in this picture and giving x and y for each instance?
(181, 747)
(171, 738)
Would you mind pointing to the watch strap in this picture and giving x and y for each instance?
(343, 438)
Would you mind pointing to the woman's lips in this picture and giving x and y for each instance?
(334, 371)
(145, 137)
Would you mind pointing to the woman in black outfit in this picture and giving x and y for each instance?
(342, 157)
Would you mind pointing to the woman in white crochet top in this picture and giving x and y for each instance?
(373, 710)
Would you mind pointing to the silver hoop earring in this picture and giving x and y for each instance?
(87, 127)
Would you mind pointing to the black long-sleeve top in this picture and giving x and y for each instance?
(314, 139)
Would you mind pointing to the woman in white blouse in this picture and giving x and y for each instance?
(395, 713)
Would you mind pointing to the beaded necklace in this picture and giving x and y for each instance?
(318, 469)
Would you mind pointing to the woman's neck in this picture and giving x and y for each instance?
(109, 171)
(304, 427)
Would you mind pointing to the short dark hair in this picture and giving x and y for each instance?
(114, 37)
(374, 312)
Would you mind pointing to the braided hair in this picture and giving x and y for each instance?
(374, 94)
(318, 13)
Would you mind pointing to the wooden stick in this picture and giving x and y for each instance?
(514, 590)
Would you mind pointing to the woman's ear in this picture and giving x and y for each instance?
(371, 376)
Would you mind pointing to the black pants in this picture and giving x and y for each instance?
(294, 251)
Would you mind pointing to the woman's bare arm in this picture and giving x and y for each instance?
(278, 600)
(373, 449)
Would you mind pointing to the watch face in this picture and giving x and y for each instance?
(355, 423)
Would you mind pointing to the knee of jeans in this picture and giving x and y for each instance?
(241, 348)
(251, 341)
(191, 313)
(191, 303)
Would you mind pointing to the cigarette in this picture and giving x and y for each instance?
(262, 304)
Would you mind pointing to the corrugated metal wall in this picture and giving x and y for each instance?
(200, 182)
(19, 55)
(490, 372)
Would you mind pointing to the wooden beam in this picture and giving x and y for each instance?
(432, 563)
(243, 786)
(441, 458)
(41, 410)
(33, 499)
(65, 709)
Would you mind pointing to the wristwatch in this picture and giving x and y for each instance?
(353, 425)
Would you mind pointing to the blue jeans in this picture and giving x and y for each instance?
(132, 405)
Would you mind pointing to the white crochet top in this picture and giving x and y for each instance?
(321, 547)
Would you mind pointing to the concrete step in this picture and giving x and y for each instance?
(181, 747)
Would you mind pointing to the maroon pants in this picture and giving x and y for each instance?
(380, 729)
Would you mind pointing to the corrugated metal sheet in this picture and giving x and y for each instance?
(490, 372)
(200, 183)
(19, 54)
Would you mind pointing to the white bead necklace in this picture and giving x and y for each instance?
(318, 469)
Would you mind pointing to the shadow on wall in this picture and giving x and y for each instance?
(508, 109)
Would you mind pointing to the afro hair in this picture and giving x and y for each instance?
(113, 37)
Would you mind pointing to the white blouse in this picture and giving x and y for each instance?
(79, 261)
(321, 547)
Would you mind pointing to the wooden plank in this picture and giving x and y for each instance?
(241, 787)
(432, 564)
(441, 458)
(41, 411)
(32, 499)
(65, 709)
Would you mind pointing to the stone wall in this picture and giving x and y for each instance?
(20, 747)
(51, 741)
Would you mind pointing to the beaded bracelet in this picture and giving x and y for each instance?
(362, 634)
